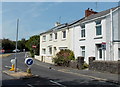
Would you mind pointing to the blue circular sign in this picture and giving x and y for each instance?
(29, 61)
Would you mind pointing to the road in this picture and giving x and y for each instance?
(47, 76)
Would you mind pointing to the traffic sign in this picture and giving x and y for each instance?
(104, 45)
(33, 46)
(29, 61)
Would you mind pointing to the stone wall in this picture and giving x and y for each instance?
(104, 66)
(78, 64)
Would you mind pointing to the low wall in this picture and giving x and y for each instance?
(104, 66)
(77, 64)
(37, 57)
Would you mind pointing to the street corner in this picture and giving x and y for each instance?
(19, 74)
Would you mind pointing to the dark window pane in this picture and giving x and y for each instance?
(98, 30)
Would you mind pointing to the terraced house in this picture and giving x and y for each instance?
(97, 34)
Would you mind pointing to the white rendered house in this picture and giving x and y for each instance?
(96, 34)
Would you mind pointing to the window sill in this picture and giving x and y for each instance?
(98, 37)
(82, 39)
(55, 40)
(43, 41)
(63, 39)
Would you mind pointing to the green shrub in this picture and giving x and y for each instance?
(85, 65)
(64, 57)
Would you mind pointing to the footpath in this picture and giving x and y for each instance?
(108, 77)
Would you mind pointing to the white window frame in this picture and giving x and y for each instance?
(50, 51)
(82, 50)
(43, 51)
(50, 37)
(83, 34)
(44, 38)
(98, 25)
(63, 34)
(55, 36)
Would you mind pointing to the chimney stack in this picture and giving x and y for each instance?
(57, 23)
(89, 11)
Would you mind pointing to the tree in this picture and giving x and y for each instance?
(8, 45)
(21, 44)
(34, 40)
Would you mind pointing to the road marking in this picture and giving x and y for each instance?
(57, 83)
(8, 67)
(30, 85)
(97, 78)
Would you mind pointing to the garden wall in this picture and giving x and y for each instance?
(104, 66)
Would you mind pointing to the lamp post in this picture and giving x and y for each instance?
(16, 46)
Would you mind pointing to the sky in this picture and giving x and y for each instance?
(37, 17)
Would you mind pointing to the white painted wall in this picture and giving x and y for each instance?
(74, 40)
(60, 42)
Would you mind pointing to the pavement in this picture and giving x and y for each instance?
(108, 77)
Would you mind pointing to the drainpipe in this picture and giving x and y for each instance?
(112, 36)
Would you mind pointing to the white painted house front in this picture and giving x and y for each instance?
(97, 35)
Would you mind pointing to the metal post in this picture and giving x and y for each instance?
(16, 46)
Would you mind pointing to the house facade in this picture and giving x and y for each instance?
(97, 35)
(52, 41)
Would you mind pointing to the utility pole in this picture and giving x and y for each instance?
(16, 45)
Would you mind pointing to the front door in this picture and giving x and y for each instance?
(99, 51)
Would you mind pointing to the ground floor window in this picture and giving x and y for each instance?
(62, 48)
(83, 51)
(50, 50)
(44, 51)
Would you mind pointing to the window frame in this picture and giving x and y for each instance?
(44, 38)
(43, 51)
(83, 33)
(98, 28)
(56, 36)
(64, 34)
(50, 37)
(82, 50)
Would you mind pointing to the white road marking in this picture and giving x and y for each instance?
(8, 67)
(57, 83)
(30, 85)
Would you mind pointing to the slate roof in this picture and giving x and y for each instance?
(99, 14)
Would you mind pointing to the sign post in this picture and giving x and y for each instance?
(29, 62)
(34, 46)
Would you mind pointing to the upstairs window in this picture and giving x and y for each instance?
(50, 37)
(64, 34)
(55, 36)
(98, 27)
(44, 38)
(83, 31)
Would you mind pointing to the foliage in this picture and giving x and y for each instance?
(21, 44)
(34, 40)
(8, 45)
(64, 57)
(85, 65)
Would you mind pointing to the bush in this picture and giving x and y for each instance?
(85, 65)
(64, 57)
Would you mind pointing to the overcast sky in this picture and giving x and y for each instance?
(37, 17)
